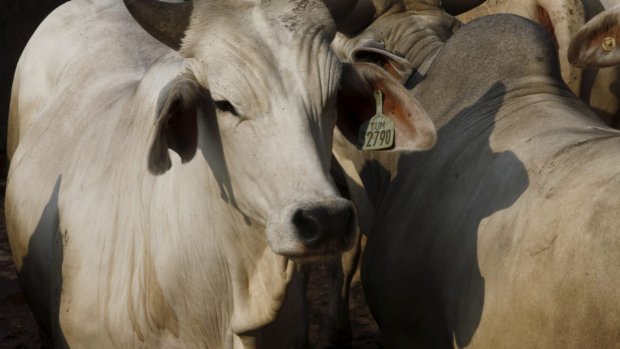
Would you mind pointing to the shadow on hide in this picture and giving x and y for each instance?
(45, 303)
(420, 270)
(215, 157)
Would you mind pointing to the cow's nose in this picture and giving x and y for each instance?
(318, 225)
(312, 229)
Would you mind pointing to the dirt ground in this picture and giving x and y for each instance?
(366, 334)
(18, 329)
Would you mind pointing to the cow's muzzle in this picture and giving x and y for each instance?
(310, 230)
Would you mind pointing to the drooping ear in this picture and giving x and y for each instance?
(371, 51)
(176, 128)
(596, 43)
(356, 104)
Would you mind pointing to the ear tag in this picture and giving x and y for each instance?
(609, 44)
(378, 132)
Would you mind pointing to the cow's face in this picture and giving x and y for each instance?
(273, 80)
(261, 93)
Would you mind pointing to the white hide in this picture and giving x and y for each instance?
(111, 256)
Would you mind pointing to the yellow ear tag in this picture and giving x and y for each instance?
(378, 132)
(609, 44)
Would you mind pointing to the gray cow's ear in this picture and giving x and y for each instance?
(596, 43)
(372, 51)
(413, 129)
(176, 126)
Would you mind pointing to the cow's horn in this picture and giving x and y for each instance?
(456, 7)
(165, 21)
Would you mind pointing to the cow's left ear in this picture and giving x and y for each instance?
(596, 43)
(372, 51)
(176, 126)
(413, 129)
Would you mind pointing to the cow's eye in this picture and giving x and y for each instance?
(225, 106)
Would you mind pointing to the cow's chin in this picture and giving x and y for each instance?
(300, 254)
(312, 230)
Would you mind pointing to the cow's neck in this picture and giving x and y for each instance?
(221, 262)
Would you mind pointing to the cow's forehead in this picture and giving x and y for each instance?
(257, 78)
(293, 16)
(259, 53)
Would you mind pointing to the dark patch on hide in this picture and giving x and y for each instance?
(291, 21)
(339, 178)
(216, 160)
(435, 292)
(45, 303)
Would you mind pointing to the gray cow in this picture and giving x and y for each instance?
(505, 234)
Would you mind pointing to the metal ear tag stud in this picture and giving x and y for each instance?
(609, 43)
(378, 132)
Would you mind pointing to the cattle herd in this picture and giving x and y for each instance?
(176, 166)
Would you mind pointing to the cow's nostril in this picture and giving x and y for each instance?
(319, 225)
(308, 226)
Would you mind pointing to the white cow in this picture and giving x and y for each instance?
(599, 88)
(121, 243)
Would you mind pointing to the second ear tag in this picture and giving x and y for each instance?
(378, 132)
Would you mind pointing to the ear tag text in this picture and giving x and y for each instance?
(378, 132)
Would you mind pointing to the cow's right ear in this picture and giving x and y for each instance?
(176, 124)
(413, 129)
(596, 43)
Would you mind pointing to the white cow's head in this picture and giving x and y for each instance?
(262, 85)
